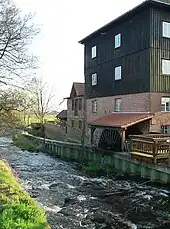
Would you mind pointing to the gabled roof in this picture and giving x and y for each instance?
(121, 120)
(77, 90)
(131, 12)
(62, 114)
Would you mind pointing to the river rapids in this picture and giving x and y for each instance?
(73, 200)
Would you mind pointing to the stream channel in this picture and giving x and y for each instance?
(74, 200)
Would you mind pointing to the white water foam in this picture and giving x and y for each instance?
(54, 209)
(81, 198)
(70, 186)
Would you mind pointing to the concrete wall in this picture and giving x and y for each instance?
(114, 160)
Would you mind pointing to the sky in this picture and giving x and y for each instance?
(63, 23)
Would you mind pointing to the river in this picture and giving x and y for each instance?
(73, 200)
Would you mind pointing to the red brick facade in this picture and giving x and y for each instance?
(143, 102)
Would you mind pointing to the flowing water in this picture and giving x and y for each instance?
(74, 200)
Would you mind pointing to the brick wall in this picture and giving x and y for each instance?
(160, 118)
(156, 101)
(130, 103)
(143, 102)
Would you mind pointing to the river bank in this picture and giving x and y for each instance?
(75, 200)
(17, 209)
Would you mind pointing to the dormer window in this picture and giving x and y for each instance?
(118, 40)
(93, 52)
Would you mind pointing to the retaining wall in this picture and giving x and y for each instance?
(75, 152)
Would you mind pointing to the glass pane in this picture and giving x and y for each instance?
(166, 29)
(118, 73)
(166, 66)
(93, 54)
(118, 40)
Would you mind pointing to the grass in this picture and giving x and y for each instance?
(33, 119)
(17, 209)
(25, 144)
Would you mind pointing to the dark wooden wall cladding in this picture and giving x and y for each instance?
(141, 52)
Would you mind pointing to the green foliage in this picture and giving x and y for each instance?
(92, 168)
(25, 144)
(98, 169)
(17, 209)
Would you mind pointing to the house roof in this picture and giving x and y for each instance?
(131, 12)
(79, 88)
(62, 114)
(76, 90)
(121, 120)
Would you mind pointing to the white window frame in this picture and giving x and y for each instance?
(165, 104)
(118, 40)
(118, 72)
(117, 105)
(93, 52)
(165, 67)
(94, 106)
(166, 29)
(94, 79)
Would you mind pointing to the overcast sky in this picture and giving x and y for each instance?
(63, 24)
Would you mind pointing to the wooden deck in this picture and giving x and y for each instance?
(151, 148)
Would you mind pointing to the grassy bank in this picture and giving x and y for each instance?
(25, 144)
(17, 208)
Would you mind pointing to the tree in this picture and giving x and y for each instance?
(12, 104)
(16, 33)
(41, 95)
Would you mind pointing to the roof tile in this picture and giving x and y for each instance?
(122, 120)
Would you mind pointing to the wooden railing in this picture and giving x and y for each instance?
(154, 148)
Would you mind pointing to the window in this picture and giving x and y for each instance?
(166, 29)
(94, 79)
(72, 123)
(80, 124)
(166, 67)
(94, 106)
(80, 104)
(165, 129)
(118, 73)
(118, 40)
(93, 52)
(165, 104)
(73, 105)
(118, 105)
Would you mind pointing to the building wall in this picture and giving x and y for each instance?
(130, 103)
(142, 102)
(160, 118)
(74, 131)
(159, 49)
(133, 56)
